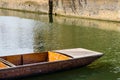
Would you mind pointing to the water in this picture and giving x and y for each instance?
(22, 32)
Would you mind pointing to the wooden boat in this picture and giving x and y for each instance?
(39, 63)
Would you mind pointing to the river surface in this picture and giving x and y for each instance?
(22, 32)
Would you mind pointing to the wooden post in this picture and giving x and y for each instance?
(50, 6)
(50, 11)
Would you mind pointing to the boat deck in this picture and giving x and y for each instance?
(78, 52)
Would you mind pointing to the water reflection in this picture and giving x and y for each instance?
(50, 18)
(16, 35)
(19, 35)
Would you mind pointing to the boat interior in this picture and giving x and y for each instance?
(16, 60)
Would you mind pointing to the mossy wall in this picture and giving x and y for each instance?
(95, 9)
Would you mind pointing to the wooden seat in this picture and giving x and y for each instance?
(5, 64)
(2, 65)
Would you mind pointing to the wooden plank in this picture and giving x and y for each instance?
(79, 52)
(2, 65)
(35, 58)
(15, 59)
(53, 56)
(7, 63)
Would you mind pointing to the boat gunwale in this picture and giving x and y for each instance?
(24, 54)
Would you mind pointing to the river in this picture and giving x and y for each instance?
(22, 32)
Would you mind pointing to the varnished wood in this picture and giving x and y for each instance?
(7, 63)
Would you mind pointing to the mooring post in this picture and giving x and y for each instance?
(50, 11)
(50, 6)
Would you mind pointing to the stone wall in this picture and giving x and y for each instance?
(96, 9)
(26, 5)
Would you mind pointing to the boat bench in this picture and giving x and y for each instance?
(5, 64)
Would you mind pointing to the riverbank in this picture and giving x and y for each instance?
(101, 10)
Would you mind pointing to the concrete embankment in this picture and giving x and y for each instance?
(94, 9)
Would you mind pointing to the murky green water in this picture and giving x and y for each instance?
(22, 32)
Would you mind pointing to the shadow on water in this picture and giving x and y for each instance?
(29, 32)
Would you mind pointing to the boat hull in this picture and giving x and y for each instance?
(45, 67)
